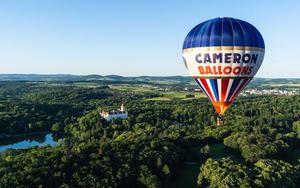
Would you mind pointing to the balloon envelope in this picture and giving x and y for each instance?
(223, 55)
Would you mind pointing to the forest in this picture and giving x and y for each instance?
(151, 147)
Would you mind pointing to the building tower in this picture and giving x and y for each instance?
(122, 109)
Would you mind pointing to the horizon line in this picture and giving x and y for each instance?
(132, 76)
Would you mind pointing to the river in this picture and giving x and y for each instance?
(31, 140)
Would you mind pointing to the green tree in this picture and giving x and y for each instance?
(56, 127)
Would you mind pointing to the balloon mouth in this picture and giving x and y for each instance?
(221, 107)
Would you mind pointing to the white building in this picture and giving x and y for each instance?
(271, 92)
(115, 114)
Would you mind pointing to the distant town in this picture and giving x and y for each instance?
(256, 91)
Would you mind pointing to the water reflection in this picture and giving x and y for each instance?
(20, 142)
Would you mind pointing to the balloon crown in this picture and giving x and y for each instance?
(224, 31)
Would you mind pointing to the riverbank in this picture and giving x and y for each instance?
(3, 135)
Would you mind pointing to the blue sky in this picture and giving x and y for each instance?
(133, 37)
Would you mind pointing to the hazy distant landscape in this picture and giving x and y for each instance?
(140, 79)
(52, 134)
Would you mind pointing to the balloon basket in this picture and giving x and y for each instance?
(220, 120)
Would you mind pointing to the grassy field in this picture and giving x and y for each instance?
(190, 170)
(283, 84)
(218, 150)
(75, 84)
(188, 178)
(164, 95)
(173, 95)
(136, 89)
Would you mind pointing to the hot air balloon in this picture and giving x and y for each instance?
(223, 55)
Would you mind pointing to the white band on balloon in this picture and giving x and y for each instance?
(220, 62)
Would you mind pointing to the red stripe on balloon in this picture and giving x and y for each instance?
(206, 87)
(224, 88)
